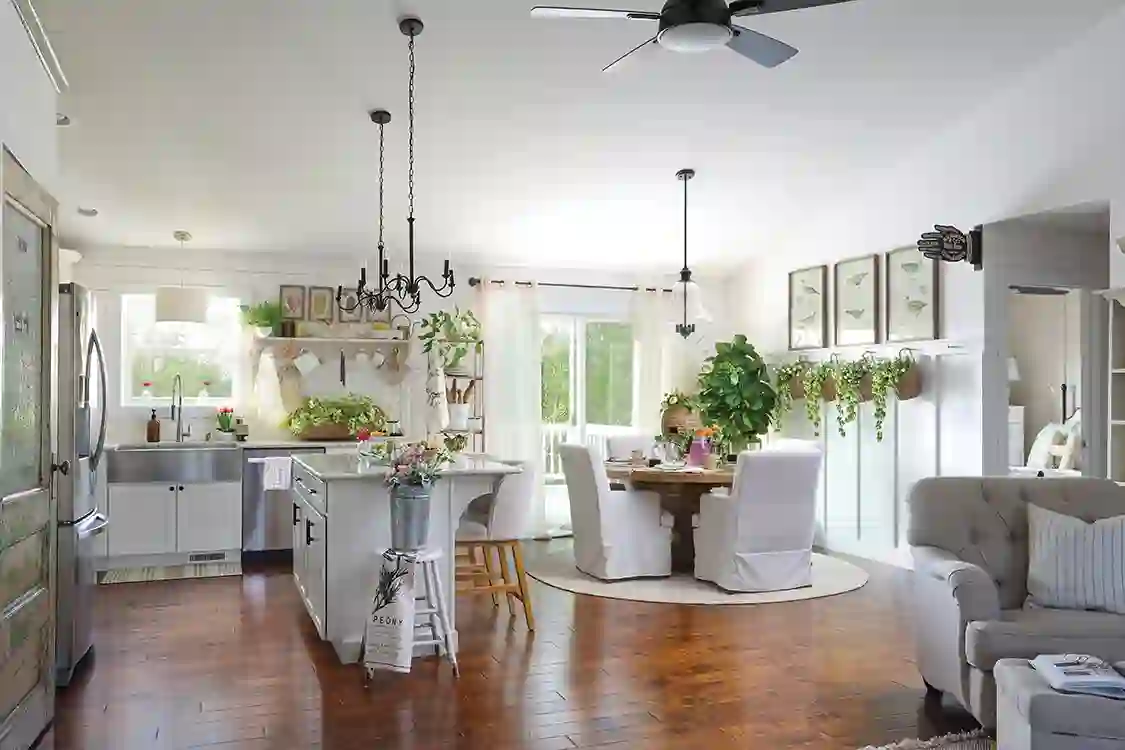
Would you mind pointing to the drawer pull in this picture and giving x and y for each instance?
(296, 514)
(308, 532)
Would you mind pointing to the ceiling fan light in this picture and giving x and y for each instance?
(694, 37)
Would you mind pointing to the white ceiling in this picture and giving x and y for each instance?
(244, 122)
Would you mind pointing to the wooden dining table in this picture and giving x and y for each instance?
(679, 495)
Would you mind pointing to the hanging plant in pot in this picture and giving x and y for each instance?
(735, 393)
(885, 375)
(452, 335)
(818, 385)
(413, 470)
(789, 385)
(849, 378)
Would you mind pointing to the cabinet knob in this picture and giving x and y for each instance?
(181, 488)
(171, 489)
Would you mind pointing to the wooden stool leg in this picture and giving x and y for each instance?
(509, 585)
(521, 577)
(486, 552)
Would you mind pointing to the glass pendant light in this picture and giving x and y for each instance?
(686, 293)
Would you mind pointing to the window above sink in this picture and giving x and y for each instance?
(207, 356)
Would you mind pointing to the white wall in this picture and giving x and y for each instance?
(111, 272)
(27, 102)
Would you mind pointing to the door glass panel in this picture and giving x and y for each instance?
(21, 350)
(609, 374)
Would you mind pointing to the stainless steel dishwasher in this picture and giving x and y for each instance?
(267, 515)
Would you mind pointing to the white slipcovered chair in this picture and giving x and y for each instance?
(759, 536)
(622, 446)
(618, 534)
(490, 530)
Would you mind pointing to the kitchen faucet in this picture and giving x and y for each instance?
(178, 408)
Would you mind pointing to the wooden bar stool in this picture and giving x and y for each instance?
(489, 534)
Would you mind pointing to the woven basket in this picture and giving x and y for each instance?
(910, 385)
(325, 432)
(679, 418)
(828, 390)
(796, 388)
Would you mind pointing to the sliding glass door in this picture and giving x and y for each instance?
(589, 392)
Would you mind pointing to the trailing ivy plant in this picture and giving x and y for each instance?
(814, 378)
(849, 379)
(885, 375)
(784, 377)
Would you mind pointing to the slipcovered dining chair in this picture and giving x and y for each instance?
(759, 536)
(622, 446)
(618, 534)
(490, 531)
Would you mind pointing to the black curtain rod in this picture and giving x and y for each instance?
(475, 281)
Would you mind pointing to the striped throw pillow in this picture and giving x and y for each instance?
(1074, 564)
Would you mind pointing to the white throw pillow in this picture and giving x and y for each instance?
(1073, 564)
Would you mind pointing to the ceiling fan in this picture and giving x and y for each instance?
(701, 26)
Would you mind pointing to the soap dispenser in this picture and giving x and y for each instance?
(152, 429)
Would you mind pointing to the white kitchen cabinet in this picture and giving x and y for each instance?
(209, 517)
(142, 519)
(310, 560)
(298, 546)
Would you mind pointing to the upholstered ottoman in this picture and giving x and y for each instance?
(1032, 716)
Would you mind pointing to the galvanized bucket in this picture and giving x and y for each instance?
(410, 517)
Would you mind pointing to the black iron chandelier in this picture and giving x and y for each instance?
(377, 299)
(402, 291)
(685, 288)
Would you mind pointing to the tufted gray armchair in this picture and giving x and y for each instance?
(969, 537)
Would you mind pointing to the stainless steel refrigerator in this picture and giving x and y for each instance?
(81, 447)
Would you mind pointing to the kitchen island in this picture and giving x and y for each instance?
(342, 524)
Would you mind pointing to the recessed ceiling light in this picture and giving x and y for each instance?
(88, 212)
(63, 121)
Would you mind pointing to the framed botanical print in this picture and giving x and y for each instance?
(350, 309)
(913, 299)
(856, 301)
(321, 301)
(808, 308)
(292, 300)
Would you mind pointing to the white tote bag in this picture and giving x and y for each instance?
(388, 639)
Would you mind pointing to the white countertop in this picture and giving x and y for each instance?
(328, 466)
(251, 444)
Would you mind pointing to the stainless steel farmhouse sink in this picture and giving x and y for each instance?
(193, 463)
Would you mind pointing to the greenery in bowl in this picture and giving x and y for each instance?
(735, 393)
(849, 380)
(452, 334)
(352, 411)
(814, 379)
(263, 315)
(678, 398)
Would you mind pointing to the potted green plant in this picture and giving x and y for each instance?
(818, 385)
(264, 317)
(735, 393)
(678, 412)
(789, 385)
(885, 375)
(335, 418)
(849, 378)
(452, 335)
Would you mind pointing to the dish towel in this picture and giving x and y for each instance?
(278, 473)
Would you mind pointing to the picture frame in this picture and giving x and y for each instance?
(808, 308)
(855, 294)
(292, 301)
(349, 298)
(913, 296)
(322, 300)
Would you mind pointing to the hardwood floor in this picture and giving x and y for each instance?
(234, 663)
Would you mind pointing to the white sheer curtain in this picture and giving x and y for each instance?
(651, 311)
(513, 360)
